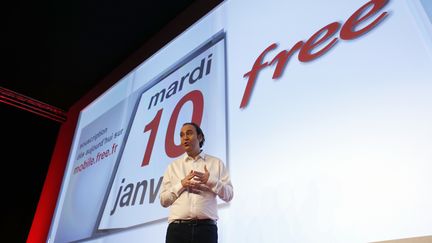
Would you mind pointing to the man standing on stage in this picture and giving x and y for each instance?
(189, 188)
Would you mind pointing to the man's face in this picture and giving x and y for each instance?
(190, 140)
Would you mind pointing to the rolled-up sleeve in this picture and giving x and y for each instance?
(170, 191)
(220, 183)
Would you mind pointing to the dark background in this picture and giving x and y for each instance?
(55, 52)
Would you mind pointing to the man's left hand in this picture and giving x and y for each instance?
(202, 177)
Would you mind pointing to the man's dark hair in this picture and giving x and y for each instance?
(198, 130)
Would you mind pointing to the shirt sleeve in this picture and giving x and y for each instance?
(220, 183)
(170, 191)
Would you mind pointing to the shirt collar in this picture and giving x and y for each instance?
(201, 155)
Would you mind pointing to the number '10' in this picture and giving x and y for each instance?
(171, 149)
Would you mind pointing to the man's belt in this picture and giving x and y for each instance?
(194, 221)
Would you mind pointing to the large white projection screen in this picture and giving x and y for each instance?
(321, 110)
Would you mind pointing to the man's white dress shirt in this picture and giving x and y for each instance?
(188, 205)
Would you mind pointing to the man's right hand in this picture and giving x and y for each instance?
(192, 185)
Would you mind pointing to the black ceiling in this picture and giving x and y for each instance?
(55, 52)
